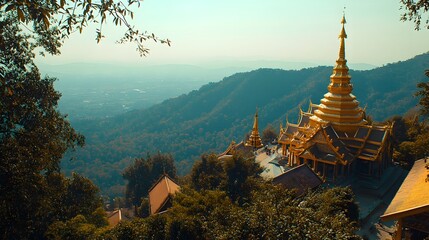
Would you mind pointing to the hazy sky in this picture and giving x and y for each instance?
(205, 32)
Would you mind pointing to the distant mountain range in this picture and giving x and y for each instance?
(100, 90)
(208, 119)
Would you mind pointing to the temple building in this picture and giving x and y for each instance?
(333, 137)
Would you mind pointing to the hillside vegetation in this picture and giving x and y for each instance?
(208, 119)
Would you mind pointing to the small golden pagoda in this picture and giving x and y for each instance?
(333, 137)
(246, 148)
(254, 140)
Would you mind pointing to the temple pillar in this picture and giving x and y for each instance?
(335, 172)
(379, 169)
(348, 169)
(369, 168)
(324, 170)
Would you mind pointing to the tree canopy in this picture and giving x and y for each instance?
(50, 22)
(415, 11)
(272, 213)
(269, 134)
(423, 93)
(143, 173)
(237, 175)
(34, 136)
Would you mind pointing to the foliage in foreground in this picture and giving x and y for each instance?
(273, 213)
(206, 208)
(33, 138)
(51, 22)
(415, 10)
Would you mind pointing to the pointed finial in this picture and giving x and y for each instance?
(343, 31)
(344, 13)
(255, 121)
(254, 138)
(342, 36)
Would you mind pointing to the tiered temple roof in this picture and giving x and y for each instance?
(324, 142)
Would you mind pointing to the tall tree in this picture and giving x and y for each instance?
(269, 134)
(235, 175)
(411, 140)
(415, 10)
(423, 93)
(143, 173)
(33, 136)
(207, 173)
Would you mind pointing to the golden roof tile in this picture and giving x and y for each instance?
(413, 196)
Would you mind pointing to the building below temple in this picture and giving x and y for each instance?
(410, 206)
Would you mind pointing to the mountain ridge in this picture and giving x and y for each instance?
(208, 119)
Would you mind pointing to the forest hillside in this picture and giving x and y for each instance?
(210, 118)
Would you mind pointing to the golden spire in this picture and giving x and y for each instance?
(339, 105)
(342, 36)
(341, 69)
(254, 139)
(255, 122)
